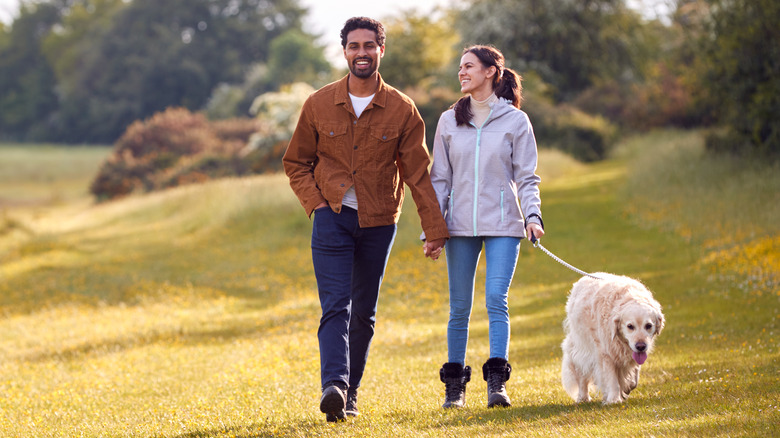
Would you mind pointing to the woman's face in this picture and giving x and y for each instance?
(474, 77)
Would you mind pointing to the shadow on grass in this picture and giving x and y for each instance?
(409, 421)
(247, 326)
(116, 345)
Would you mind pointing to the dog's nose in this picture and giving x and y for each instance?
(641, 346)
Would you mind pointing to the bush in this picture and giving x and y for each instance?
(171, 148)
(664, 99)
(276, 114)
(236, 129)
(431, 104)
(206, 167)
(566, 128)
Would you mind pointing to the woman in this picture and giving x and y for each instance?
(484, 164)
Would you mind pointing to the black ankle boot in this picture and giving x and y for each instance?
(496, 372)
(351, 409)
(455, 376)
(333, 402)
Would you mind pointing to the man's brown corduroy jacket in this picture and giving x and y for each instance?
(332, 149)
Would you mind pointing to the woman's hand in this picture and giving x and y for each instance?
(534, 231)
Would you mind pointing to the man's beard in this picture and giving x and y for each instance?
(363, 73)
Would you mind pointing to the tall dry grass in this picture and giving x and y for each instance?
(730, 206)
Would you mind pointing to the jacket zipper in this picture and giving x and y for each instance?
(452, 202)
(476, 169)
(502, 205)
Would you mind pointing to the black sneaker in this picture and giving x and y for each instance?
(332, 403)
(351, 407)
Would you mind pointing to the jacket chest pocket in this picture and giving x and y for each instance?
(332, 138)
(383, 144)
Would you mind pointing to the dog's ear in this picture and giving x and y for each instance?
(615, 325)
(660, 321)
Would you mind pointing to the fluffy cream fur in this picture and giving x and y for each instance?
(610, 327)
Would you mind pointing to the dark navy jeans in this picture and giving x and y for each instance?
(349, 264)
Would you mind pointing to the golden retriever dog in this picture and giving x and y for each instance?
(610, 326)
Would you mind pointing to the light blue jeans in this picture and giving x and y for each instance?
(462, 257)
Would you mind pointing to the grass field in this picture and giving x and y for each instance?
(193, 312)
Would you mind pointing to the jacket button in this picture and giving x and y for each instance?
(342, 185)
(384, 137)
(354, 172)
(355, 147)
(331, 133)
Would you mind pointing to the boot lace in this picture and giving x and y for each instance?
(496, 382)
(453, 390)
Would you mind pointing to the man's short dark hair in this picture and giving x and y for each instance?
(363, 23)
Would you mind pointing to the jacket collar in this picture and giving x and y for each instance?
(342, 92)
(500, 107)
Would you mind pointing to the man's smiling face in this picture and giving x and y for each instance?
(363, 53)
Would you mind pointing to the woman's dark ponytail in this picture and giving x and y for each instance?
(510, 87)
(506, 83)
(463, 111)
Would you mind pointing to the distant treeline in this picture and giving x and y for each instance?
(82, 71)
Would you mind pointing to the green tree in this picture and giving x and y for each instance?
(570, 44)
(421, 57)
(83, 23)
(294, 58)
(4, 37)
(26, 77)
(741, 63)
(420, 50)
(144, 56)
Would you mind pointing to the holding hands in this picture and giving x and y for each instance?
(433, 248)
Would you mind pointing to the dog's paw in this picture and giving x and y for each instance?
(585, 399)
(612, 400)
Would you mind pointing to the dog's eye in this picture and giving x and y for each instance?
(631, 327)
(648, 326)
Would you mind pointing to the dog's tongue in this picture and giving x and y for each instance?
(640, 358)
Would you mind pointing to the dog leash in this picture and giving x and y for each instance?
(538, 244)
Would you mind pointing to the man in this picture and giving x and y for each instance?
(357, 142)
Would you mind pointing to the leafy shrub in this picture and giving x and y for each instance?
(236, 129)
(178, 147)
(664, 99)
(277, 116)
(566, 128)
(431, 103)
(171, 148)
(206, 167)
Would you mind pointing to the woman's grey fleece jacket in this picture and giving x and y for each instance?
(485, 177)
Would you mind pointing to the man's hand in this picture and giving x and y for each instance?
(433, 248)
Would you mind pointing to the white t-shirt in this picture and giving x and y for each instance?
(358, 104)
